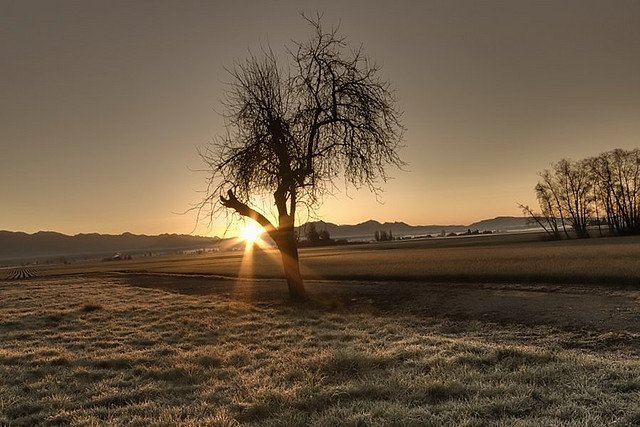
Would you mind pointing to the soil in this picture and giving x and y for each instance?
(568, 307)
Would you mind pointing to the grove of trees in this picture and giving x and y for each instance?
(576, 197)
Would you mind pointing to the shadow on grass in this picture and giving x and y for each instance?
(146, 356)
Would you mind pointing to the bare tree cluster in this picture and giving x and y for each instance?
(315, 237)
(617, 189)
(295, 127)
(383, 236)
(599, 190)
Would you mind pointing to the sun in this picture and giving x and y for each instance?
(250, 232)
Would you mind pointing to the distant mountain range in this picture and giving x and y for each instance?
(48, 244)
(366, 230)
(18, 245)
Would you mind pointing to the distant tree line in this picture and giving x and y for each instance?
(383, 236)
(315, 237)
(597, 191)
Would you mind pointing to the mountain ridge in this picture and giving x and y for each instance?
(41, 244)
(399, 228)
(47, 244)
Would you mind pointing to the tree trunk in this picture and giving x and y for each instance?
(290, 264)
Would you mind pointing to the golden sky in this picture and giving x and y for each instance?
(104, 102)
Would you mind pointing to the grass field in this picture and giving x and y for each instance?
(95, 351)
(500, 258)
(394, 348)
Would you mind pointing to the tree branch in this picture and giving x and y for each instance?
(232, 202)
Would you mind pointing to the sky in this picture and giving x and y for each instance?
(104, 103)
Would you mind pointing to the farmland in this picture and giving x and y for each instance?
(514, 258)
(504, 330)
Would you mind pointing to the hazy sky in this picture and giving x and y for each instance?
(102, 103)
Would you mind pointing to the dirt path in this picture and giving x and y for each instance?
(568, 307)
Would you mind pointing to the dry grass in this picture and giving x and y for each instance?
(93, 352)
(499, 258)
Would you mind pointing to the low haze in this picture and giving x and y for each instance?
(104, 103)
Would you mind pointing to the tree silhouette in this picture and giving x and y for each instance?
(616, 181)
(311, 233)
(325, 236)
(597, 190)
(293, 130)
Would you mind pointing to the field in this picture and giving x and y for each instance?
(496, 331)
(495, 259)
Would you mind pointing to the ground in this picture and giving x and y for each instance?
(611, 309)
(169, 347)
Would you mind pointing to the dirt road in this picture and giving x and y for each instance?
(602, 317)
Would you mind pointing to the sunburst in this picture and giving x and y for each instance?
(250, 233)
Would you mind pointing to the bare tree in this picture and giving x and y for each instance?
(550, 199)
(546, 219)
(590, 191)
(616, 178)
(292, 130)
(574, 187)
(564, 193)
